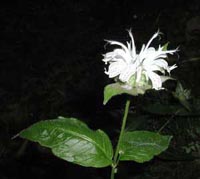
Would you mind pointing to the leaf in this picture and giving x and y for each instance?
(72, 140)
(142, 146)
(117, 89)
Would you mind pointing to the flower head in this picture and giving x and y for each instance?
(132, 68)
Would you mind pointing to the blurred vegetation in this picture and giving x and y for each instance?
(51, 65)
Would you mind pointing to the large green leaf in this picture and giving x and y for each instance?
(72, 140)
(117, 89)
(142, 146)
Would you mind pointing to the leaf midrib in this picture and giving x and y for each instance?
(84, 137)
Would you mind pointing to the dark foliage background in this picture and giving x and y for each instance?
(50, 65)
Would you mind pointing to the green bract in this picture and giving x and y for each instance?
(114, 89)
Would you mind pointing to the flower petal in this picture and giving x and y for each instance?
(155, 79)
(127, 73)
(133, 51)
(119, 44)
(115, 69)
(139, 74)
(171, 68)
(152, 38)
(161, 63)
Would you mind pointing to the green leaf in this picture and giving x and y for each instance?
(117, 89)
(142, 146)
(72, 140)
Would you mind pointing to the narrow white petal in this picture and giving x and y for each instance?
(171, 68)
(119, 53)
(139, 74)
(155, 79)
(152, 38)
(132, 43)
(115, 69)
(142, 49)
(165, 78)
(120, 44)
(161, 63)
(141, 55)
(128, 46)
(152, 68)
(149, 58)
(127, 73)
(167, 51)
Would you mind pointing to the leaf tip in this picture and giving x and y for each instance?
(15, 136)
(105, 102)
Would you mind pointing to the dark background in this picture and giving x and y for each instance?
(51, 65)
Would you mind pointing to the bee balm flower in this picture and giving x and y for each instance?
(132, 68)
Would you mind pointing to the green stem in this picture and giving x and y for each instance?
(112, 176)
(115, 159)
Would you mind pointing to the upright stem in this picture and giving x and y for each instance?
(112, 176)
(115, 159)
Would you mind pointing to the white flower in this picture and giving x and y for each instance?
(124, 62)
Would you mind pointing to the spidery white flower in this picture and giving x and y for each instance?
(126, 64)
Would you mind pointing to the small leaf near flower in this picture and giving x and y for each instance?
(114, 89)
